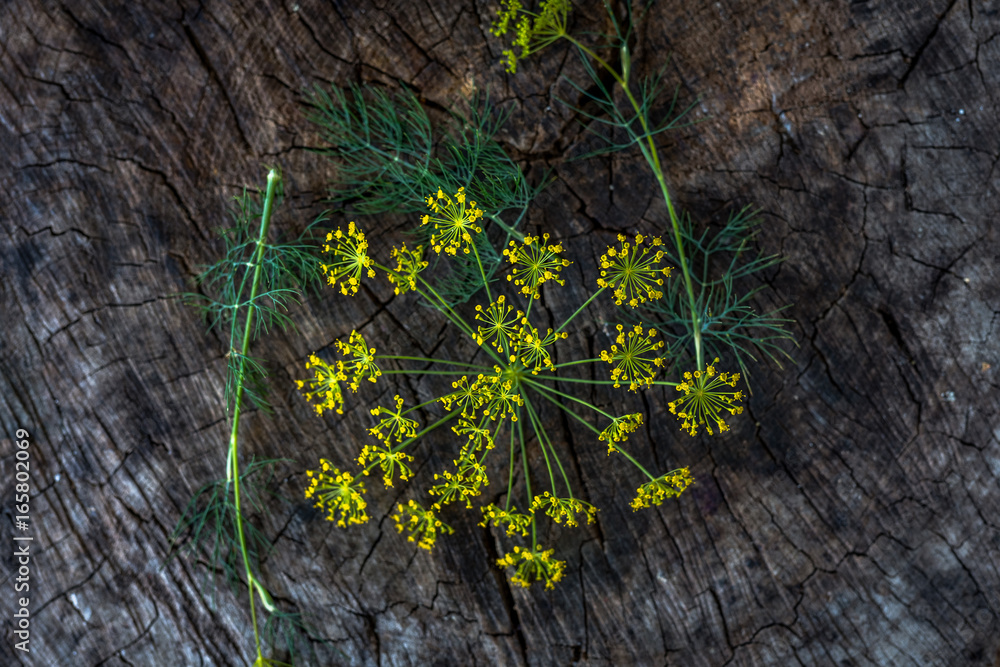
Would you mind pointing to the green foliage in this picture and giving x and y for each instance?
(727, 317)
(207, 528)
(705, 311)
(287, 268)
(388, 158)
(245, 294)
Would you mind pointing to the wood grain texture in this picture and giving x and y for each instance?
(848, 519)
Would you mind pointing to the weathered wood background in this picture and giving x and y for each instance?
(851, 516)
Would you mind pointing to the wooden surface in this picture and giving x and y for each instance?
(850, 518)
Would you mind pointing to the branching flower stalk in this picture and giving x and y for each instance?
(734, 319)
(253, 285)
(517, 373)
(232, 461)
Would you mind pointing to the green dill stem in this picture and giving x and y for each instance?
(422, 372)
(527, 477)
(585, 304)
(574, 363)
(233, 471)
(482, 271)
(549, 390)
(510, 230)
(534, 424)
(634, 462)
(574, 415)
(434, 361)
(654, 162)
(556, 378)
(510, 474)
(545, 435)
(417, 407)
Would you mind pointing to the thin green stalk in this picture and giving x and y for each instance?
(535, 425)
(654, 162)
(577, 312)
(634, 462)
(527, 476)
(233, 469)
(431, 360)
(510, 473)
(549, 390)
(482, 272)
(545, 435)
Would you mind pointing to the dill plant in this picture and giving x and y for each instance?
(702, 313)
(492, 398)
(388, 156)
(243, 295)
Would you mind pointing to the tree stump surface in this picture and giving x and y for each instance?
(848, 518)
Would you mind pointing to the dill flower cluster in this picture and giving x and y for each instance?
(349, 259)
(339, 493)
(563, 509)
(409, 264)
(634, 357)
(422, 526)
(655, 491)
(631, 270)
(619, 428)
(531, 565)
(535, 262)
(454, 222)
(704, 401)
(532, 31)
(498, 395)
(360, 361)
(324, 386)
(510, 519)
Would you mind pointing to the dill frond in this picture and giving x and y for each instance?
(727, 316)
(287, 270)
(388, 156)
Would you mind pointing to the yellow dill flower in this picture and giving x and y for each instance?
(393, 424)
(509, 520)
(388, 460)
(500, 324)
(409, 264)
(533, 565)
(531, 36)
(454, 222)
(467, 396)
(419, 524)
(533, 348)
(703, 401)
(619, 428)
(337, 492)
(504, 16)
(535, 263)
(632, 272)
(462, 485)
(500, 397)
(349, 259)
(634, 357)
(324, 386)
(480, 439)
(361, 360)
(563, 509)
(663, 487)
